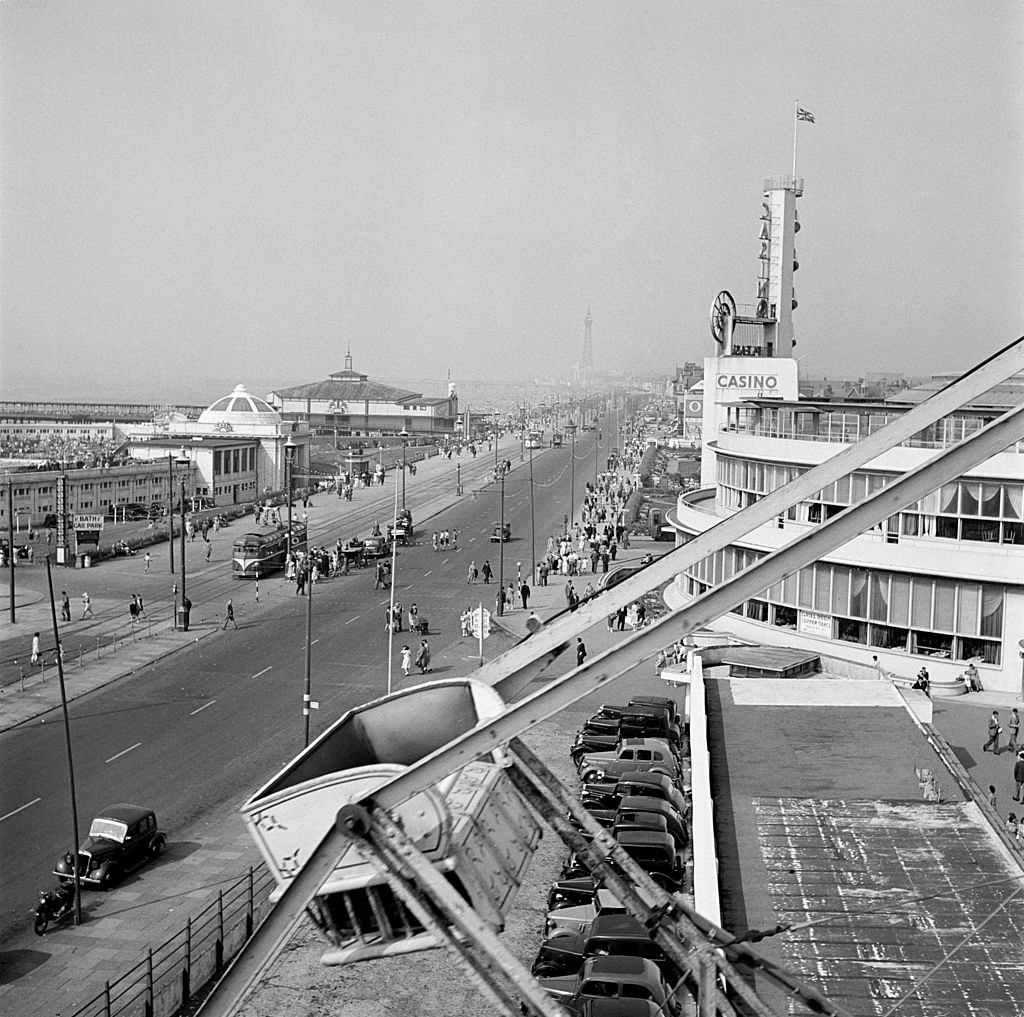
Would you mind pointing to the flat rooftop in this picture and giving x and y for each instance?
(820, 817)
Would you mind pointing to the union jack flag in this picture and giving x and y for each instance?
(802, 114)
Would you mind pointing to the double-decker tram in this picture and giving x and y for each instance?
(261, 551)
(535, 439)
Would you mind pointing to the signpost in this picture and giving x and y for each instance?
(87, 529)
(481, 628)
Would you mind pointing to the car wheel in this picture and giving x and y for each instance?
(546, 971)
(40, 924)
(589, 775)
(158, 845)
(109, 875)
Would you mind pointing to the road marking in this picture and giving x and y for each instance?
(315, 641)
(124, 753)
(20, 809)
(471, 539)
(193, 713)
(349, 622)
(427, 573)
(264, 671)
(444, 561)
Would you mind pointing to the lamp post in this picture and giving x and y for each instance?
(10, 541)
(184, 599)
(405, 435)
(170, 509)
(499, 472)
(289, 455)
(182, 460)
(533, 529)
(571, 427)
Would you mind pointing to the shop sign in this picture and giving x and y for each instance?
(810, 623)
(748, 382)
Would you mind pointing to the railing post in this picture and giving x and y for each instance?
(250, 909)
(97, 647)
(42, 666)
(21, 668)
(106, 998)
(149, 982)
(186, 974)
(220, 932)
(81, 661)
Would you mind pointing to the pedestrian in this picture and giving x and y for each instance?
(65, 606)
(36, 652)
(186, 614)
(300, 580)
(229, 615)
(581, 651)
(396, 617)
(973, 679)
(434, 540)
(620, 618)
(209, 549)
(455, 539)
(472, 573)
(387, 618)
(611, 621)
(510, 598)
(486, 570)
(992, 796)
(524, 595)
(406, 660)
(1014, 728)
(133, 611)
(1018, 775)
(414, 618)
(570, 593)
(1012, 826)
(994, 730)
(466, 619)
(86, 607)
(423, 657)
(138, 604)
(148, 560)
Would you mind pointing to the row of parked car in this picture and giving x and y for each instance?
(597, 960)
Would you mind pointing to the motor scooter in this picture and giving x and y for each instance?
(54, 906)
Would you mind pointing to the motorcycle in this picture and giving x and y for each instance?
(54, 906)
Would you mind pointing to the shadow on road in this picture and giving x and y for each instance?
(15, 964)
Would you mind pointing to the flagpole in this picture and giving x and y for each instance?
(796, 103)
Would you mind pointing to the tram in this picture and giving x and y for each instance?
(535, 439)
(262, 551)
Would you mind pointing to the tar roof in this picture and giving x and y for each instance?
(821, 818)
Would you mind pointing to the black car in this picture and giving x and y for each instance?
(121, 838)
(608, 936)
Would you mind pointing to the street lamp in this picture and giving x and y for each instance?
(405, 435)
(170, 508)
(183, 460)
(571, 428)
(289, 457)
(499, 473)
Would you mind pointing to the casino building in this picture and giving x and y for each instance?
(938, 584)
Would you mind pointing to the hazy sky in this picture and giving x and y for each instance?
(202, 193)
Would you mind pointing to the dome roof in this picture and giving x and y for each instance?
(240, 408)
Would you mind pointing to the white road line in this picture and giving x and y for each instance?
(427, 573)
(19, 809)
(349, 622)
(123, 753)
(471, 539)
(264, 671)
(315, 641)
(444, 561)
(194, 712)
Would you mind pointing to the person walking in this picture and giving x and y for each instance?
(1013, 724)
(471, 575)
(133, 611)
(993, 733)
(36, 651)
(229, 615)
(396, 616)
(1018, 775)
(581, 651)
(423, 657)
(455, 539)
(148, 560)
(209, 550)
(406, 660)
(524, 595)
(65, 606)
(414, 618)
(86, 607)
(139, 605)
(486, 570)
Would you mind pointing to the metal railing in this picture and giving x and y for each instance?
(168, 976)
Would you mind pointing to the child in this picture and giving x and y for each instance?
(992, 795)
(1014, 726)
(406, 660)
(1012, 826)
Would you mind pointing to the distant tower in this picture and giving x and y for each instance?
(348, 359)
(587, 360)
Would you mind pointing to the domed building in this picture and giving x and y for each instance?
(237, 448)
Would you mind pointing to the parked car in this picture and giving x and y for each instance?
(572, 918)
(638, 722)
(609, 935)
(132, 511)
(645, 754)
(632, 805)
(121, 838)
(654, 851)
(608, 794)
(613, 978)
(376, 547)
(500, 534)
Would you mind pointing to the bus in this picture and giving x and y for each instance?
(535, 439)
(261, 551)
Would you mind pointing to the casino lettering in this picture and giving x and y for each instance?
(750, 381)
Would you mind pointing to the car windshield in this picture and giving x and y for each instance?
(109, 829)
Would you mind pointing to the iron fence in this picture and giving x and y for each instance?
(168, 976)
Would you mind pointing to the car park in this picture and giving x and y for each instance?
(653, 850)
(121, 838)
(634, 805)
(637, 722)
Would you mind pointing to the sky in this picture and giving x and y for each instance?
(196, 195)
